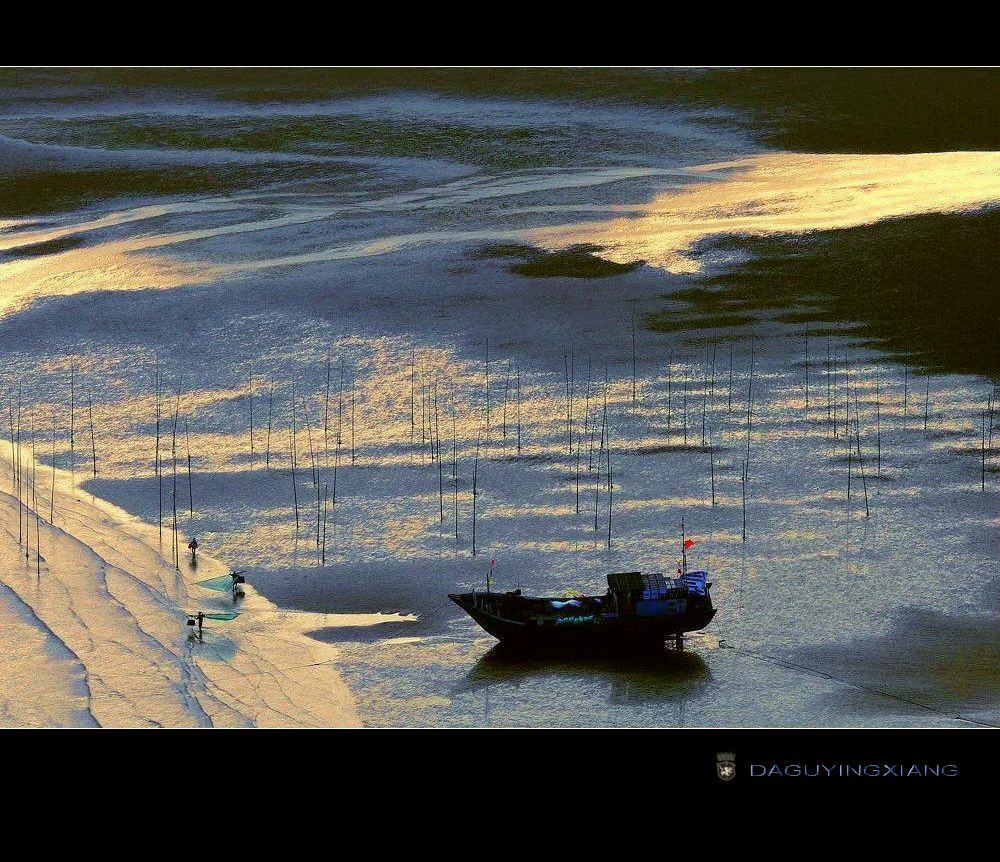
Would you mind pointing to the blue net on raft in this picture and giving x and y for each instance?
(223, 584)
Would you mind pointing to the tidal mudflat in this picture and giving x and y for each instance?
(295, 314)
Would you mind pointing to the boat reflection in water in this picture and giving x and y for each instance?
(670, 677)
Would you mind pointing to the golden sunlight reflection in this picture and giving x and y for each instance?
(788, 193)
(107, 267)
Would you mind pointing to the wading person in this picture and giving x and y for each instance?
(193, 548)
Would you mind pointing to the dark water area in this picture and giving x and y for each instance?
(822, 110)
(808, 110)
(577, 261)
(921, 288)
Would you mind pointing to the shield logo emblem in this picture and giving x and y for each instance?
(726, 765)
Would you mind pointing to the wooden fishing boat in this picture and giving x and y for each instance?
(638, 610)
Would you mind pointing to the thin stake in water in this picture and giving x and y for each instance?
(670, 371)
(861, 460)
(745, 476)
(633, 353)
(807, 377)
(250, 410)
(159, 472)
(270, 413)
(475, 492)
(187, 439)
(984, 452)
(927, 401)
(291, 446)
(518, 387)
(93, 439)
(611, 493)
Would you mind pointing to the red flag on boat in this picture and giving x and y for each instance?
(688, 543)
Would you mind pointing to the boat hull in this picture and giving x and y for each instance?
(493, 613)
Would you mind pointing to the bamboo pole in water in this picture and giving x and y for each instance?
(93, 438)
(326, 491)
(569, 409)
(28, 507)
(572, 397)
(750, 394)
(52, 490)
(611, 492)
(250, 411)
(173, 492)
(29, 496)
(187, 439)
(743, 481)
(984, 452)
(807, 377)
(991, 400)
(17, 471)
(291, 447)
(586, 414)
(837, 372)
(633, 354)
(878, 424)
(590, 438)
(600, 451)
(906, 391)
(711, 390)
(850, 449)
(704, 399)
(711, 454)
(423, 414)
(506, 389)
(326, 413)
(847, 401)
(72, 419)
(578, 476)
(578, 441)
(340, 406)
(670, 373)
(927, 400)
(475, 493)
(319, 500)
(309, 443)
(454, 462)
(159, 474)
(270, 413)
(731, 347)
(34, 498)
(861, 460)
(333, 506)
(437, 433)
(487, 388)
(413, 396)
(685, 422)
(518, 388)
(829, 389)
(13, 446)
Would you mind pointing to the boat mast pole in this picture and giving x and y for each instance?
(684, 559)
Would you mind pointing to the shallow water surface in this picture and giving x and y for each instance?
(333, 308)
